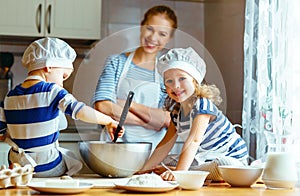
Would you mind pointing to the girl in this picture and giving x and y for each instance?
(209, 137)
(137, 71)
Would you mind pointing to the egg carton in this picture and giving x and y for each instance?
(16, 176)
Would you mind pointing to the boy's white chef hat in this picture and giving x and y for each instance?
(186, 59)
(48, 52)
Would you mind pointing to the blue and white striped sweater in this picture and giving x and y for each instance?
(219, 133)
(108, 82)
(32, 117)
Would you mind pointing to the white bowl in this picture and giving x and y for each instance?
(190, 179)
(243, 176)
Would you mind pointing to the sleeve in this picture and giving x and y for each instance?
(68, 104)
(106, 88)
(206, 106)
(3, 125)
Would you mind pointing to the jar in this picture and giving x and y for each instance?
(280, 170)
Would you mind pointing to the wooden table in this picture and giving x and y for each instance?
(214, 189)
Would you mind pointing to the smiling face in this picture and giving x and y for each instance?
(156, 33)
(179, 85)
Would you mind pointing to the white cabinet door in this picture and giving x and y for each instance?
(21, 17)
(76, 19)
(73, 19)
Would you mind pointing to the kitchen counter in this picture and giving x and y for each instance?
(212, 189)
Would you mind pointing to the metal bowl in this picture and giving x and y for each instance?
(115, 159)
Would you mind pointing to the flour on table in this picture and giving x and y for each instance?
(147, 180)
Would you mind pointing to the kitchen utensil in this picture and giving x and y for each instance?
(110, 159)
(240, 176)
(124, 114)
(191, 179)
(280, 171)
(42, 187)
(146, 189)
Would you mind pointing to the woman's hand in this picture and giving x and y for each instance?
(150, 118)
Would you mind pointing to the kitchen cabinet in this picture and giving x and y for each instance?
(69, 19)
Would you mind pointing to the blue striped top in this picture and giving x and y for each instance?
(32, 118)
(219, 133)
(108, 82)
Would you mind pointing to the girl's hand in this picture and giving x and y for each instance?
(143, 172)
(167, 176)
(157, 170)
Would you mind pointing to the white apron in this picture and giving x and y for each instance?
(73, 165)
(146, 93)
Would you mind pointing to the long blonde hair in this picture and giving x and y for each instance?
(209, 91)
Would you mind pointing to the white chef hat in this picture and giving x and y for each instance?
(48, 52)
(185, 59)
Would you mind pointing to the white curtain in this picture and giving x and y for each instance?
(271, 71)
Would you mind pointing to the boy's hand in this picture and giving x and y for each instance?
(112, 127)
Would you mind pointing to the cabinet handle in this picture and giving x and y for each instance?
(48, 19)
(38, 18)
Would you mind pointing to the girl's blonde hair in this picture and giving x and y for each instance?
(209, 91)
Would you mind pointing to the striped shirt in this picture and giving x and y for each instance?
(32, 119)
(108, 82)
(220, 133)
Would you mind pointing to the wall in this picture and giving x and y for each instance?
(224, 33)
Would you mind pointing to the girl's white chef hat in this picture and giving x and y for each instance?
(48, 52)
(186, 59)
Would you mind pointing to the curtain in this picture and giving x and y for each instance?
(271, 70)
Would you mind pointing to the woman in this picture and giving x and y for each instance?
(136, 71)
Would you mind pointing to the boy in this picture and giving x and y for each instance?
(31, 114)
